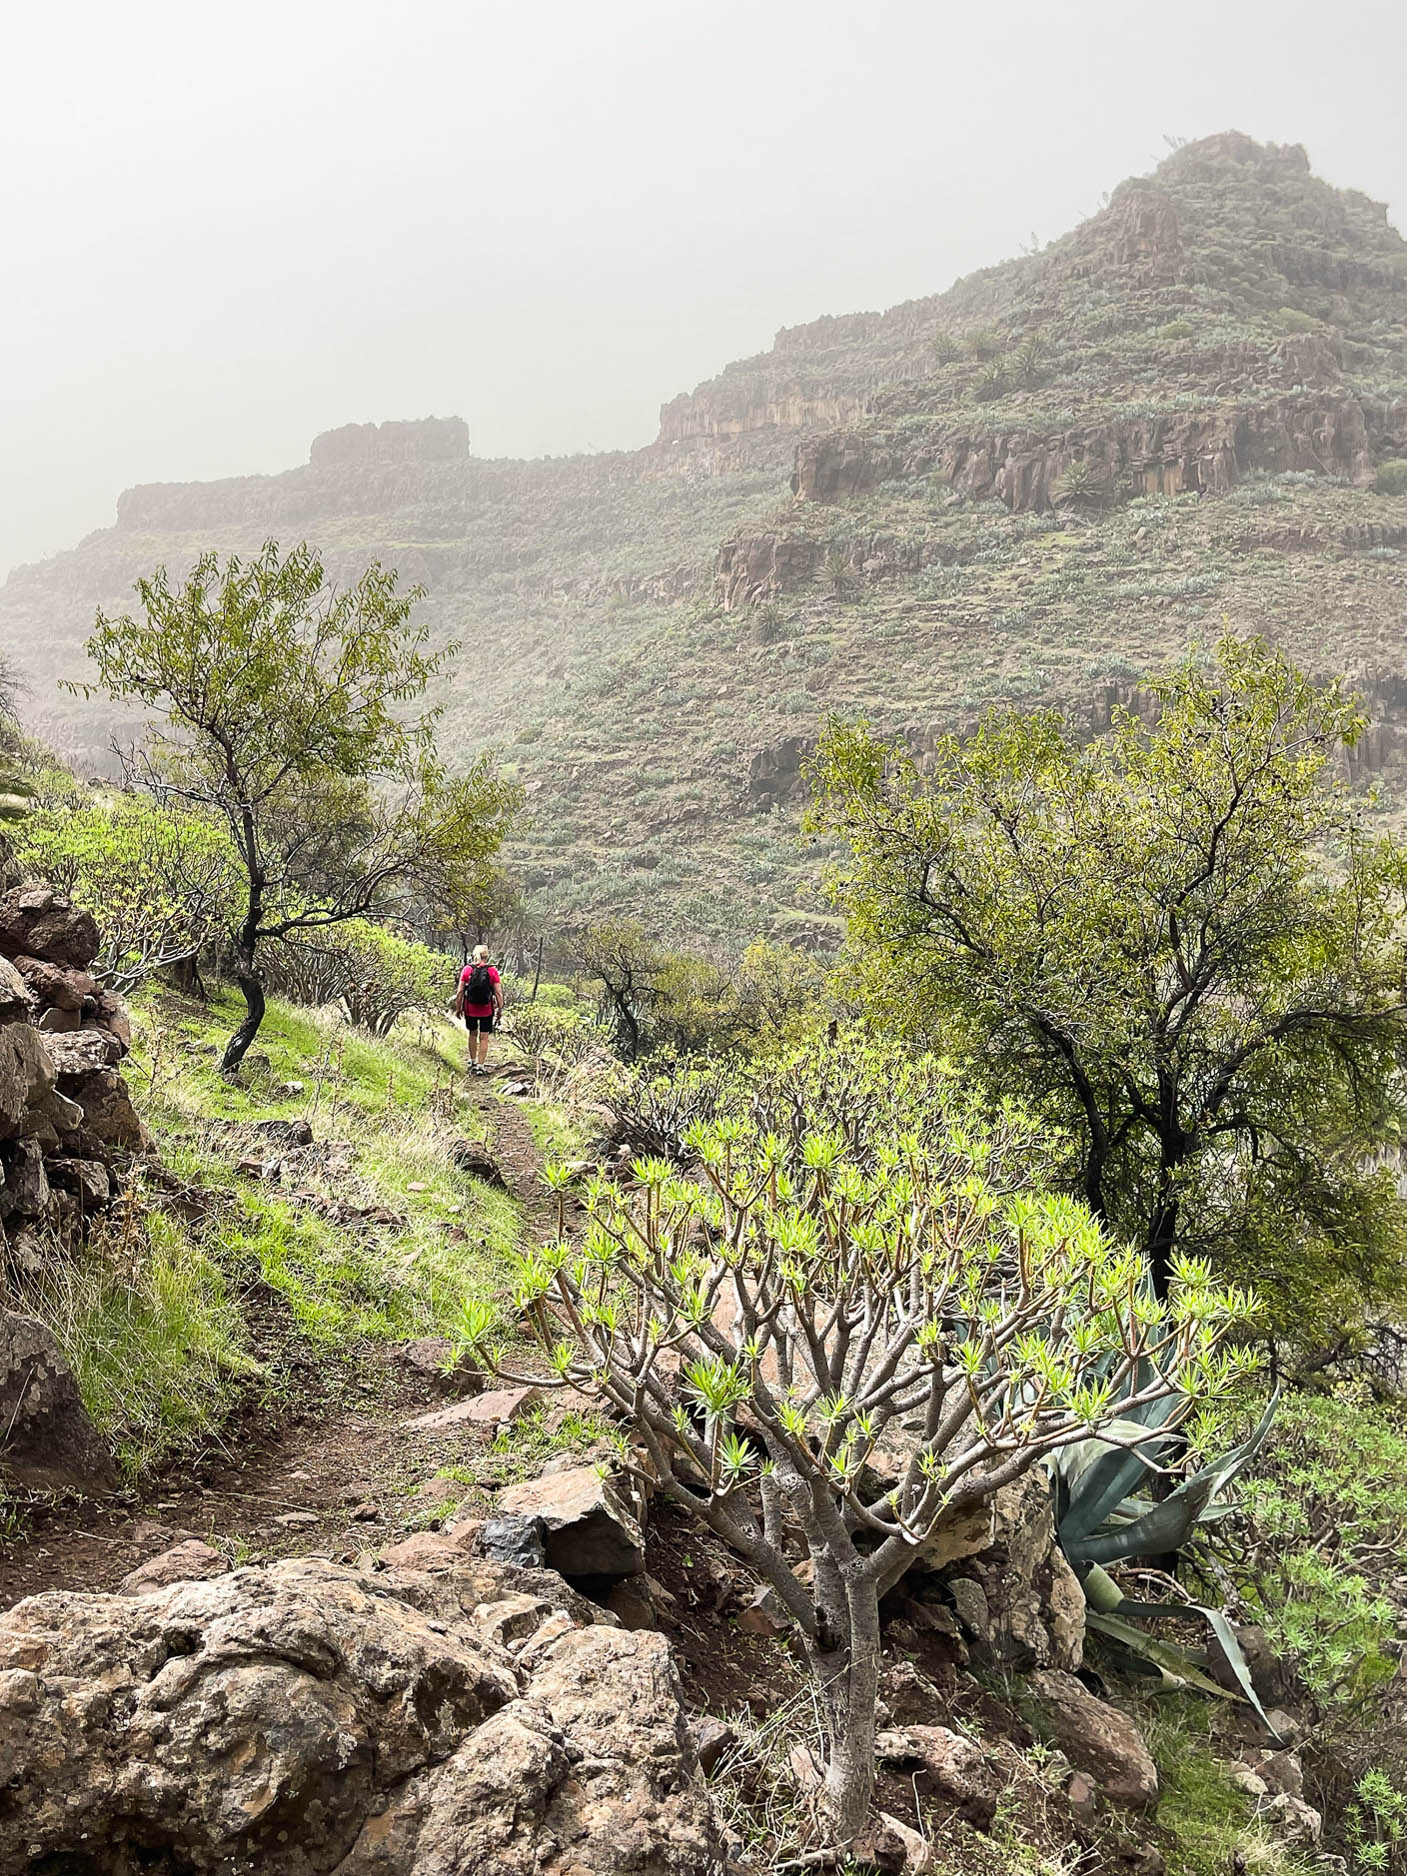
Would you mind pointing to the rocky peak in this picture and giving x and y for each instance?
(427, 439)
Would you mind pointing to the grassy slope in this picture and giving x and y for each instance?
(164, 1344)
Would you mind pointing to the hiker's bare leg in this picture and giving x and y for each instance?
(483, 1047)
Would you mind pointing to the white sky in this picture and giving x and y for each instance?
(225, 227)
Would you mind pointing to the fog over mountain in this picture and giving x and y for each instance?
(226, 232)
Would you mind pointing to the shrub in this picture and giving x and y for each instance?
(371, 974)
(819, 1296)
(162, 881)
(1391, 478)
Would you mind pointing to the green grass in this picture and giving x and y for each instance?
(1207, 1821)
(392, 1106)
(157, 1318)
(156, 1343)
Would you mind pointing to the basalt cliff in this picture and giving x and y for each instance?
(1187, 414)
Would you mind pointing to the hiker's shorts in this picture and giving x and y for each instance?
(479, 1025)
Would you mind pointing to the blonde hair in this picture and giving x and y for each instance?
(481, 954)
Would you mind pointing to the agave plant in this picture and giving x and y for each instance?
(1102, 1517)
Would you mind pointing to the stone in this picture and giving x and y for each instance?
(1080, 1796)
(958, 1535)
(1244, 1778)
(108, 1114)
(87, 1179)
(711, 1738)
(514, 1540)
(38, 922)
(1031, 1612)
(14, 996)
(970, 1601)
(25, 1190)
(1282, 1771)
(629, 1600)
(26, 1073)
(591, 1528)
(897, 1849)
(471, 1157)
(496, 1408)
(116, 1018)
(289, 1700)
(1098, 1739)
(83, 1052)
(48, 1441)
(426, 1550)
(56, 1022)
(183, 1563)
(56, 985)
(285, 1133)
(956, 1768)
(433, 1357)
(595, 1762)
(1296, 1824)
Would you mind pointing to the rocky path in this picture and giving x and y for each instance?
(332, 1469)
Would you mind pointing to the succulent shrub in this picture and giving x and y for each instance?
(828, 1341)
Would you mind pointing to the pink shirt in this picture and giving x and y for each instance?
(478, 1009)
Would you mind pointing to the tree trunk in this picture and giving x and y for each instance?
(850, 1686)
(537, 972)
(246, 973)
(240, 1043)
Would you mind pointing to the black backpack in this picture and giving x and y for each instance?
(479, 989)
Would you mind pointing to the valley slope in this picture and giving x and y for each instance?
(1034, 488)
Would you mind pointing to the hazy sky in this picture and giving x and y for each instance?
(225, 227)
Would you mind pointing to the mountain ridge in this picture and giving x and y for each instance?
(1035, 486)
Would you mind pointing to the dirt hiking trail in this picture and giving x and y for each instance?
(328, 1467)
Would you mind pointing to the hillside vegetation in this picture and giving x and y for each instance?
(1034, 487)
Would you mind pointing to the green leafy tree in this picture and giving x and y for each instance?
(1177, 944)
(291, 710)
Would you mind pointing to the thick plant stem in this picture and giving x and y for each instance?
(851, 1700)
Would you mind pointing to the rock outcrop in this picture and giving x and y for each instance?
(66, 1118)
(308, 1717)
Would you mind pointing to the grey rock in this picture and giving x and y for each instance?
(970, 1601)
(1096, 1738)
(38, 922)
(25, 1193)
(310, 1717)
(26, 1073)
(83, 1052)
(87, 1179)
(191, 1561)
(514, 1540)
(49, 1441)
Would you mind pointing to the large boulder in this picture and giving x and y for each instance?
(589, 1526)
(38, 922)
(1096, 1738)
(47, 1439)
(309, 1718)
(1032, 1607)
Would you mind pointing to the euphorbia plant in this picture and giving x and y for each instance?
(771, 1327)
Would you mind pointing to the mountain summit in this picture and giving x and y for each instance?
(1035, 486)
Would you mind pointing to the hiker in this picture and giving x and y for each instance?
(479, 1000)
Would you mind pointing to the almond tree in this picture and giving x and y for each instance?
(827, 1348)
(1177, 944)
(290, 710)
